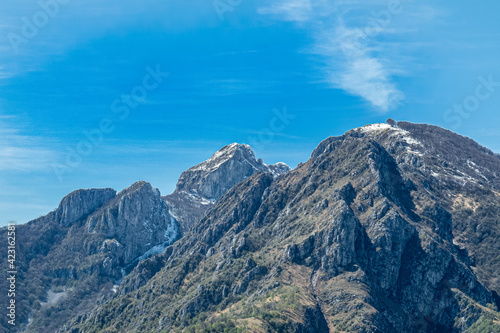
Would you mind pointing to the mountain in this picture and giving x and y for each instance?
(387, 228)
(72, 257)
(200, 186)
(77, 255)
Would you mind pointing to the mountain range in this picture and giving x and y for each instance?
(388, 228)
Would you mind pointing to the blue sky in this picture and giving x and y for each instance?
(279, 75)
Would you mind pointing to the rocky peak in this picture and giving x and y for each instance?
(138, 218)
(79, 204)
(369, 235)
(240, 152)
(200, 186)
(94, 238)
(279, 168)
(227, 167)
(359, 234)
(438, 153)
(140, 188)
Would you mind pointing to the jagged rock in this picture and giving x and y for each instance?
(89, 242)
(372, 234)
(227, 167)
(200, 186)
(136, 217)
(368, 243)
(81, 203)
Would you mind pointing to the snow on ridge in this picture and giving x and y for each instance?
(228, 152)
(401, 133)
(277, 169)
(197, 198)
(223, 155)
(374, 127)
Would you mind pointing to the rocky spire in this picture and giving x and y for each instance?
(200, 186)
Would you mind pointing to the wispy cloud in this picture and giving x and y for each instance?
(26, 46)
(20, 152)
(293, 10)
(350, 39)
(354, 66)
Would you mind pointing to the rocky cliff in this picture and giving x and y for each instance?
(388, 228)
(200, 186)
(137, 219)
(80, 204)
(71, 258)
(77, 255)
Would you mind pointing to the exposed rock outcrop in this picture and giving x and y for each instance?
(81, 203)
(200, 186)
(86, 245)
(387, 228)
(358, 239)
(137, 218)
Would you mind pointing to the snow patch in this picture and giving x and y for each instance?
(400, 133)
(374, 128)
(171, 233)
(223, 155)
(54, 297)
(435, 174)
(108, 242)
(207, 202)
(475, 167)
(152, 251)
(169, 236)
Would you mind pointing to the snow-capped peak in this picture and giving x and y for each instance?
(374, 128)
(397, 133)
(223, 155)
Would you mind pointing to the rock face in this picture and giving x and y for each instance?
(81, 203)
(199, 187)
(84, 247)
(96, 237)
(387, 228)
(372, 234)
(137, 218)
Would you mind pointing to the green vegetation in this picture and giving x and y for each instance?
(486, 324)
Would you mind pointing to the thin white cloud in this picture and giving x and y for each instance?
(293, 10)
(353, 66)
(347, 38)
(68, 26)
(22, 153)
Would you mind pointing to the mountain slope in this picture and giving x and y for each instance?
(71, 258)
(77, 255)
(200, 186)
(372, 234)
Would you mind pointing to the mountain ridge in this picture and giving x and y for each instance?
(386, 228)
(360, 237)
(97, 236)
(200, 186)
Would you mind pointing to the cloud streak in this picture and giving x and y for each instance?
(347, 39)
(294, 10)
(22, 153)
(354, 66)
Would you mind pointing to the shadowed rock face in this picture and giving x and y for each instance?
(81, 203)
(387, 228)
(199, 187)
(84, 247)
(370, 235)
(137, 218)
